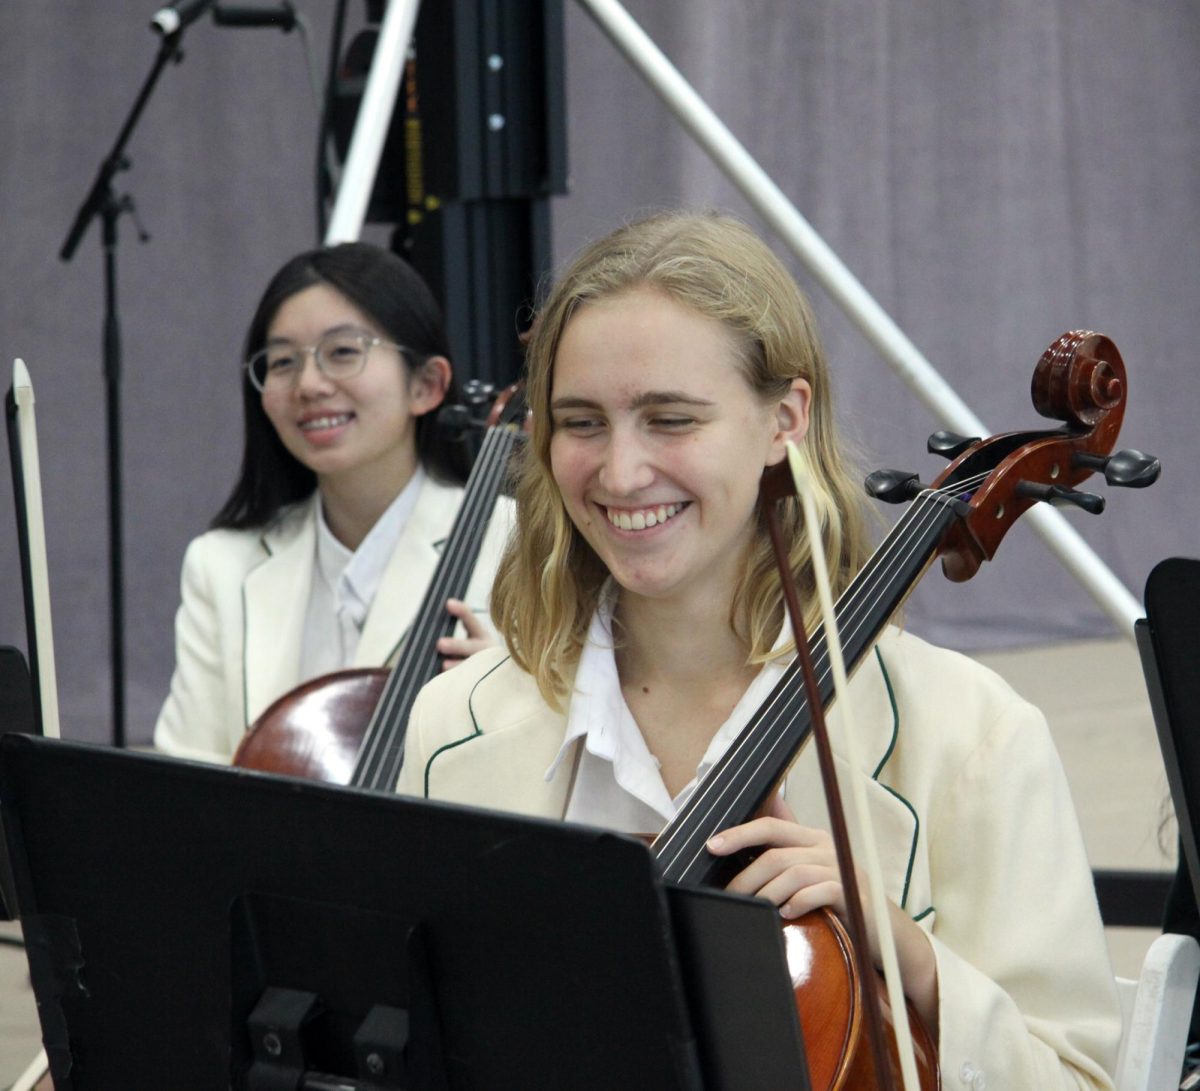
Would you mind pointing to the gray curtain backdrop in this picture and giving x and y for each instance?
(994, 173)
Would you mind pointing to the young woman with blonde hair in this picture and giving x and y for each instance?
(642, 611)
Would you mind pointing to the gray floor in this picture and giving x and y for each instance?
(1095, 699)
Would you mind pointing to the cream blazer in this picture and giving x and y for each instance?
(975, 825)
(240, 623)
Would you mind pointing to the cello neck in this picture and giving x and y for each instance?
(738, 785)
(382, 751)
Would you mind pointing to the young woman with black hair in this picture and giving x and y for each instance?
(320, 556)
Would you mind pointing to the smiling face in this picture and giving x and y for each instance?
(659, 442)
(361, 425)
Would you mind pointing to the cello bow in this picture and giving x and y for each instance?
(35, 570)
(36, 579)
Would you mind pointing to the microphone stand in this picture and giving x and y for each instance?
(103, 201)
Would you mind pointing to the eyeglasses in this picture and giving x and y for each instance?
(340, 354)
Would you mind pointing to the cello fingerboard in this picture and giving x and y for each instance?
(737, 785)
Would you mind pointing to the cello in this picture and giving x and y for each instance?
(348, 727)
(1080, 380)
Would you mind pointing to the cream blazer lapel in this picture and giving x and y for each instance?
(274, 606)
(496, 746)
(506, 769)
(408, 574)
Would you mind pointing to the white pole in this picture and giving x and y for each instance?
(371, 125)
(845, 289)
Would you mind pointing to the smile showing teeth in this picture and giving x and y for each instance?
(324, 422)
(642, 518)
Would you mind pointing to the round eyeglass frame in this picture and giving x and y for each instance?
(368, 341)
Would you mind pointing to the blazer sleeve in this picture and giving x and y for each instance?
(1026, 993)
(193, 722)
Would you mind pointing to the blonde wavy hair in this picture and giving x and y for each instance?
(549, 580)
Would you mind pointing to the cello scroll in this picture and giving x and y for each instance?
(1080, 380)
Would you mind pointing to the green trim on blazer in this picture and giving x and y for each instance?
(476, 731)
(912, 852)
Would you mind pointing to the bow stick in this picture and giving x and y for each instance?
(849, 878)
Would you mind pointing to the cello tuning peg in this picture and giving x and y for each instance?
(1057, 494)
(478, 392)
(892, 486)
(949, 444)
(455, 422)
(1127, 469)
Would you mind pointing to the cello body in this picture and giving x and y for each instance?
(828, 983)
(316, 730)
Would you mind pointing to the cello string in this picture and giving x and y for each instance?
(491, 463)
(416, 639)
(760, 733)
(876, 567)
(420, 634)
(855, 605)
(382, 753)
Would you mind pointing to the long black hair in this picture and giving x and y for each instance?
(392, 294)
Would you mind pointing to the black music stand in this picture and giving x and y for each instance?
(227, 928)
(1168, 640)
(16, 714)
